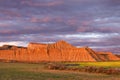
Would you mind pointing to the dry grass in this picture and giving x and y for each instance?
(24, 71)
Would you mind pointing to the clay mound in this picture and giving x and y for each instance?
(118, 55)
(61, 45)
(93, 54)
(108, 56)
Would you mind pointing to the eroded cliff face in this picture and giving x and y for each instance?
(59, 51)
(108, 56)
(63, 51)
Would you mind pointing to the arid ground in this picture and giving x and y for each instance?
(27, 71)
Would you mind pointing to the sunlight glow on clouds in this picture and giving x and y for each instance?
(20, 43)
(90, 35)
(79, 22)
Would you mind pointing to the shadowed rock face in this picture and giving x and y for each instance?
(8, 47)
(117, 55)
(5, 47)
(59, 51)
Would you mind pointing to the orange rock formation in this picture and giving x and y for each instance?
(59, 51)
(108, 56)
(117, 55)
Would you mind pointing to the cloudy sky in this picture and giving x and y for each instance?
(93, 23)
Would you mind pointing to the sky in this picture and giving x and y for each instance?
(93, 23)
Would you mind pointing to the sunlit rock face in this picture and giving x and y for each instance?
(36, 45)
(108, 56)
(59, 51)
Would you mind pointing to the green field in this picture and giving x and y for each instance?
(25, 71)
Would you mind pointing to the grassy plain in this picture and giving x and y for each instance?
(25, 71)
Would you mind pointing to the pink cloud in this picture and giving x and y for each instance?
(8, 31)
(86, 23)
(17, 43)
(52, 3)
(44, 19)
(82, 29)
(48, 19)
(58, 19)
(4, 25)
(10, 13)
(85, 26)
(72, 22)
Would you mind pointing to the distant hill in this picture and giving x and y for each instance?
(7, 47)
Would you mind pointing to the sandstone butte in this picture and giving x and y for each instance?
(59, 51)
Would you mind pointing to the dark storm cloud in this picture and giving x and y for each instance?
(93, 23)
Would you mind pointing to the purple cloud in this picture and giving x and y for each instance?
(93, 23)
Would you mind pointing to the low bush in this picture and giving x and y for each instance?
(90, 69)
(55, 66)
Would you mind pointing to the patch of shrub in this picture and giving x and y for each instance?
(90, 69)
(113, 71)
(55, 66)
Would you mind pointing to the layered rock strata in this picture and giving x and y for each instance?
(59, 51)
